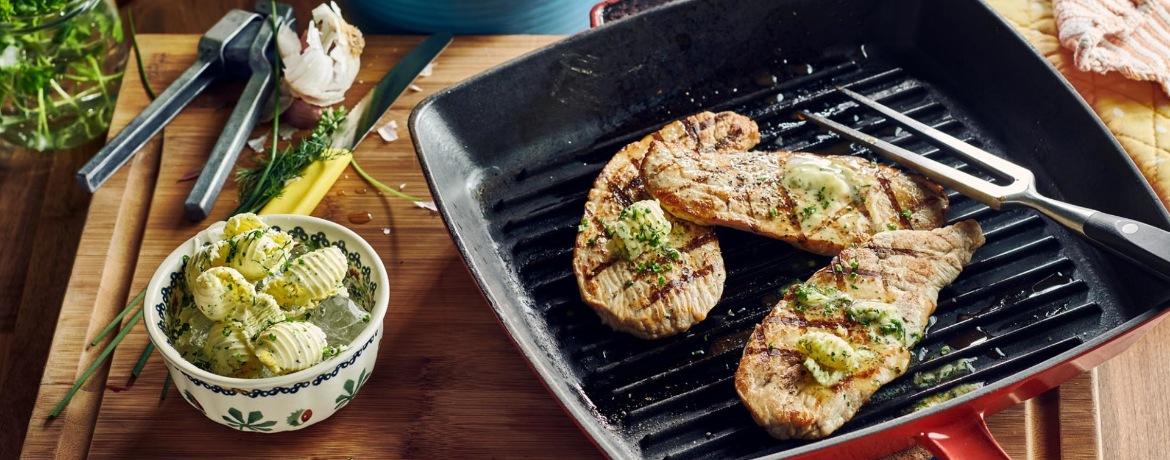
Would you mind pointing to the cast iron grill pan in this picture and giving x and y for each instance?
(1032, 294)
(676, 396)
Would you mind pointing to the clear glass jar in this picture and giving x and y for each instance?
(60, 73)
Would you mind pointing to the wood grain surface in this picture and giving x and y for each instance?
(449, 383)
(40, 205)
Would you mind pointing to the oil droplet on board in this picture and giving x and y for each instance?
(341, 193)
(362, 191)
(360, 217)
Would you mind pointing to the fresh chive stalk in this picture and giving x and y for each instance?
(138, 55)
(166, 388)
(117, 319)
(142, 359)
(98, 362)
(380, 185)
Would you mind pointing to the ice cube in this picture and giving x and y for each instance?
(341, 319)
(196, 326)
(264, 373)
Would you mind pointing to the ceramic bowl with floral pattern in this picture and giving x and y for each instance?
(286, 402)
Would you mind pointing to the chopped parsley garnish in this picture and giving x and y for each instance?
(807, 212)
(583, 225)
(892, 227)
(906, 213)
(895, 328)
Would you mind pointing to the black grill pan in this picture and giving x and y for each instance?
(511, 154)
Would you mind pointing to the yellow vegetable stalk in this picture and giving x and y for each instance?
(303, 195)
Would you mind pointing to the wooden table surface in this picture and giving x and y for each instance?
(40, 205)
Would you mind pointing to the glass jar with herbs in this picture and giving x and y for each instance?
(61, 64)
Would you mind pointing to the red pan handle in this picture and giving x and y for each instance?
(597, 13)
(965, 438)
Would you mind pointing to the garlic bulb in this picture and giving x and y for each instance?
(322, 65)
(290, 347)
(219, 291)
(319, 273)
(229, 352)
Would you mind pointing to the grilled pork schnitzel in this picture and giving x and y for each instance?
(643, 271)
(821, 204)
(834, 340)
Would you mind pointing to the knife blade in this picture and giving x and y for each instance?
(302, 196)
(365, 114)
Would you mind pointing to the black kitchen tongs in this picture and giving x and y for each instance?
(1144, 244)
(238, 45)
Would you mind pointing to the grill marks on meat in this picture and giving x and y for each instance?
(904, 269)
(652, 307)
(821, 204)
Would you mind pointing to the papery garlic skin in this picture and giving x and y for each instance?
(290, 347)
(323, 69)
(220, 291)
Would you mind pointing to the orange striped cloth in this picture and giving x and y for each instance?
(1128, 36)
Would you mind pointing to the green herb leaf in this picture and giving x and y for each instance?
(266, 181)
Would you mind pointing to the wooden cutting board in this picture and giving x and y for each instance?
(448, 384)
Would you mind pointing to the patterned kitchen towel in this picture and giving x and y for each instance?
(1128, 36)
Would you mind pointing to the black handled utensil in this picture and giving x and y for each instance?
(1144, 244)
(206, 69)
(243, 119)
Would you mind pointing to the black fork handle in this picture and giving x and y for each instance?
(1143, 244)
(118, 151)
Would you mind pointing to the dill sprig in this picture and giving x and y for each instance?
(267, 179)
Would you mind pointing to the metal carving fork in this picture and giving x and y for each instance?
(1146, 245)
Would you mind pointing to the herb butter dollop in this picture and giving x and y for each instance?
(642, 227)
(250, 294)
